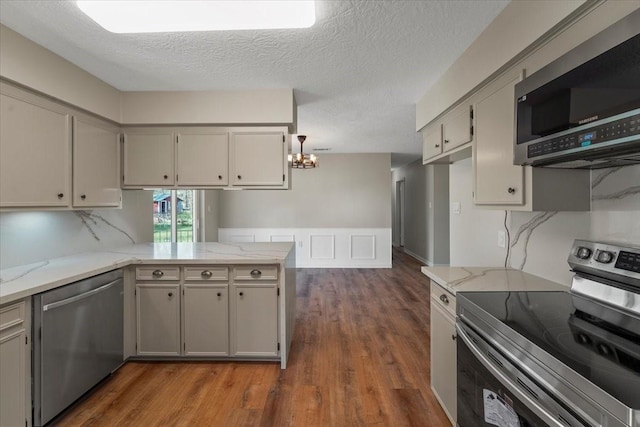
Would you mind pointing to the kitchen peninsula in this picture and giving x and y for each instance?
(181, 301)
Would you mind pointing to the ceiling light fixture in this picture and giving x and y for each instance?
(301, 160)
(172, 16)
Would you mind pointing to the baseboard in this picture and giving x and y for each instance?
(418, 257)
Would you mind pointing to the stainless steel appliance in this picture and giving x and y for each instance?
(583, 110)
(78, 341)
(555, 358)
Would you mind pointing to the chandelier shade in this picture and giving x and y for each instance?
(301, 160)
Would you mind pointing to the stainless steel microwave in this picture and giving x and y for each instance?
(583, 109)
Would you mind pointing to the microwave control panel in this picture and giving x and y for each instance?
(621, 128)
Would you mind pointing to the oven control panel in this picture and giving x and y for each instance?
(605, 260)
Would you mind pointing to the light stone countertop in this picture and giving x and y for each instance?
(460, 279)
(22, 281)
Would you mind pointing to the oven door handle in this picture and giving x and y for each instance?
(522, 395)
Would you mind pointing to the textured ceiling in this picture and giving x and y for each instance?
(357, 73)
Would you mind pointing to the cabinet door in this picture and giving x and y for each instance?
(443, 359)
(35, 159)
(14, 373)
(431, 142)
(203, 159)
(206, 320)
(96, 163)
(148, 158)
(497, 180)
(256, 320)
(158, 319)
(258, 159)
(456, 128)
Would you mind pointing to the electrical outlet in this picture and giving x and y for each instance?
(455, 207)
(502, 239)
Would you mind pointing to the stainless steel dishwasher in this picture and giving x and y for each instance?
(78, 341)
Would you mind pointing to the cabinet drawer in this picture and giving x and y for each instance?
(263, 272)
(11, 315)
(206, 273)
(158, 273)
(443, 298)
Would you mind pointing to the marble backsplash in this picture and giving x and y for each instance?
(540, 241)
(27, 237)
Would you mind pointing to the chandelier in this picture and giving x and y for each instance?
(301, 160)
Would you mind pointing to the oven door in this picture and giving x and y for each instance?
(492, 391)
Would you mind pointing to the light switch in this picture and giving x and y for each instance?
(455, 208)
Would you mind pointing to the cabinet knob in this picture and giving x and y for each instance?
(239, 176)
(437, 145)
(219, 294)
(170, 294)
(206, 274)
(511, 190)
(256, 273)
(444, 299)
(219, 176)
(84, 196)
(446, 141)
(241, 293)
(166, 177)
(158, 273)
(60, 195)
(453, 337)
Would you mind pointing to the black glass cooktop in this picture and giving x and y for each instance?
(600, 343)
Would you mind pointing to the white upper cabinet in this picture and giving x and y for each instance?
(497, 179)
(206, 157)
(431, 142)
(456, 127)
(149, 157)
(203, 158)
(258, 158)
(96, 163)
(35, 159)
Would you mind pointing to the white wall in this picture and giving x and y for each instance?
(339, 214)
(27, 237)
(426, 211)
(545, 238)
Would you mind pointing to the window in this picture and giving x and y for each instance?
(175, 216)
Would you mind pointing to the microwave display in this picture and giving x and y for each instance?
(605, 86)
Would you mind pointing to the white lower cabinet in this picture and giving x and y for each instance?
(158, 319)
(443, 350)
(200, 311)
(256, 320)
(15, 365)
(205, 319)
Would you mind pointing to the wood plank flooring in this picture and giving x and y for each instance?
(360, 357)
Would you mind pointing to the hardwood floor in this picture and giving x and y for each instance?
(360, 357)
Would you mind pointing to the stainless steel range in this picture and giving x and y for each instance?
(555, 358)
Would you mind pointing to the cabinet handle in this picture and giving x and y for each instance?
(239, 176)
(446, 141)
(166, 177)
(511, 190)
(219, 294)
(206, 274)
(444, 299)
(256, 273)
(158, 273)
(453, 337)
(60, 195)
(241, 293)
(170, 294)
(84, 196)
(219, 176)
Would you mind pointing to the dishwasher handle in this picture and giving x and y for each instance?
(79, 297)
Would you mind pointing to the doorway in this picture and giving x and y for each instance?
(400, 209)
